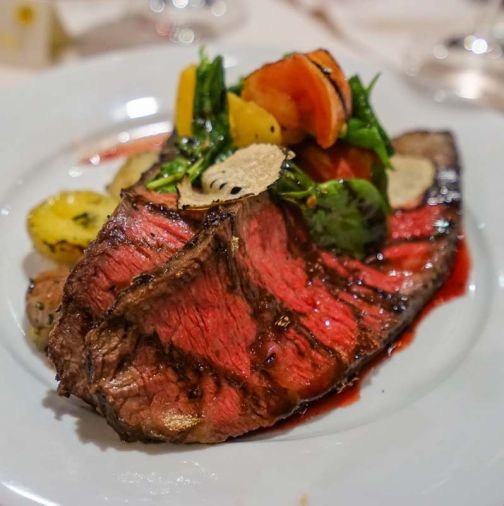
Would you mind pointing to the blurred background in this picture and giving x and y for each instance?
(450, 48)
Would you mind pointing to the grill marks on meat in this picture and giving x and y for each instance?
(267, 259)
(142, 233)
(249, 319)
(134, 241)
(204, 331)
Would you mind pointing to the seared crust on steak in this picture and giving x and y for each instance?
(143, 232)
(245, 319)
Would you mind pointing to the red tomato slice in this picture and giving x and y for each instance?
(341, 161)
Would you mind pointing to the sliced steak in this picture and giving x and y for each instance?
(249, 319)
(143, 232)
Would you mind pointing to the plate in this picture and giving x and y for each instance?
(428, 426)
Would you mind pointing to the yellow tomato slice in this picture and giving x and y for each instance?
(251, 124)
(185, 101)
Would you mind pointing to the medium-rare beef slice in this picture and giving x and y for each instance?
(250, 319)
(143, 232)
(166, 376)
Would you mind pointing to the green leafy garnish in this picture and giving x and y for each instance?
(348, 216)
(365, 131)
(363, 128)
(211, 139)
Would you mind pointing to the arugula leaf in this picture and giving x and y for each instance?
(294, 184)
(211, 140)
(348, 216)
(364, 129)
(360, 134)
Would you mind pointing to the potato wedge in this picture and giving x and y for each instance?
(129, 173)
(63, 225)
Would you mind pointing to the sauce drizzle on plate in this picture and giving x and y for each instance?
(125, 149)
(454, 286)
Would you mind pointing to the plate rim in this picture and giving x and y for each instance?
(104, 60)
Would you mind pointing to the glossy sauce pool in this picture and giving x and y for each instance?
(454, 286)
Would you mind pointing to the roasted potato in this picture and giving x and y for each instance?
(43, 298)
(63, 225)
(130, 172)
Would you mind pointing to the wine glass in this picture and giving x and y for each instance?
(130, 23)
(466, 67)
(189, 21)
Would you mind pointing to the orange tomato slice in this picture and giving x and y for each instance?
(300, 96)
(333, 71)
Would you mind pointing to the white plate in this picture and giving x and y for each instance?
(429, 426)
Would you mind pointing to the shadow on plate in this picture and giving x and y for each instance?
(91, 428)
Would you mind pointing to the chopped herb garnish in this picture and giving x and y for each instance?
(85, 219)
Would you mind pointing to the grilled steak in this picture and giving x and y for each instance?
(143, 232)
(243, 318)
